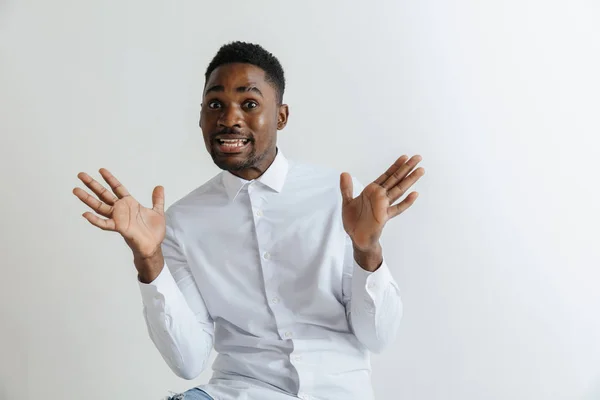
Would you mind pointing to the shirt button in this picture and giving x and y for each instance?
(296, 358)
(288, 334)
(259, 213)
(372, 285)
(267, 255)
(275, 300)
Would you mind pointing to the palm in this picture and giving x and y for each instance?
(365, 216)
(142, 228)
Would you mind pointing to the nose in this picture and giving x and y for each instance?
(230, 117)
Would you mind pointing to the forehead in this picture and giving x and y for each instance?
(237, 75)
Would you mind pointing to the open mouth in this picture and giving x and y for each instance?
(232, 145)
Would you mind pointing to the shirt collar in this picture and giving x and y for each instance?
(273, 177)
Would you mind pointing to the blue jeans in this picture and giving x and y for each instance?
(192, 394)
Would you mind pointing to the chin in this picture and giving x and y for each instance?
(232, 165)
(238, 162)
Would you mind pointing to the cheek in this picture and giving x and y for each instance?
(263, 124)
(205, 132)
(207, 124)
(259, 123)
(205, 119)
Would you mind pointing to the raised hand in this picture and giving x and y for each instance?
(365, 216)
(142, 228)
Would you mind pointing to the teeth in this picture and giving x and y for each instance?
(233, 142)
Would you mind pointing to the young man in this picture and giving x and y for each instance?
(275, 263)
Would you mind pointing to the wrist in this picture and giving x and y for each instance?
(149, 267)
(369, 259)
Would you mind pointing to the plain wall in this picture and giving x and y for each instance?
(498, 259)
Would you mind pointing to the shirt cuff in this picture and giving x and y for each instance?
(372, 284)
(155, 292)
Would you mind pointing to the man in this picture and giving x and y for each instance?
(275, 263)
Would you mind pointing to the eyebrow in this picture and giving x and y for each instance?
(241, 89)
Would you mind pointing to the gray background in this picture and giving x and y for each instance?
(497, 260)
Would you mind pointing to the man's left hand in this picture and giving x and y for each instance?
(365, 216)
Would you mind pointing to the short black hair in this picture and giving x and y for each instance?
(250, 53)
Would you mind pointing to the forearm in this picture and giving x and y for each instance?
(183, 339)
(375, 306)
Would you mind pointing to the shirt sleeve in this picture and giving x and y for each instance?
(176, 316)
(372, 299)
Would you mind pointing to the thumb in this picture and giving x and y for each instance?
(158, 199)
(346, 187)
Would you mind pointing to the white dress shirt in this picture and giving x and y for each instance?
(264, 271)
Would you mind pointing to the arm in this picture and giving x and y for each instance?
(177, 319)
(176, 316)
(371, 297)
(372, 301)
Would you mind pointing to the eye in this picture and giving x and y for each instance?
(214, 104)
(250, 104)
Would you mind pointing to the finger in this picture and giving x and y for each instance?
(397, 191)
(399, 162)
(346, 187)
(401, 172)
(103, 193)
(92, 202)
(104, 224)
(114, 183)
(158, 199)
(399, 208)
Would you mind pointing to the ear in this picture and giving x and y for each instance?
(282, 116)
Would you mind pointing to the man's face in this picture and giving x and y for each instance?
(240, 117)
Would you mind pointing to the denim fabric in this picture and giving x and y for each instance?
(192, 394)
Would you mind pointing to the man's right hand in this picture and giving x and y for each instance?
(142, 228)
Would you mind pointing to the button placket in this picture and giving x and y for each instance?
(258, 201)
